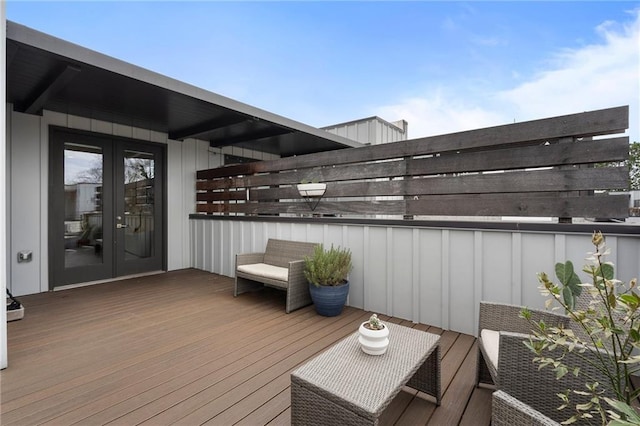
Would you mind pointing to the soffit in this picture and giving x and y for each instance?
(44, 72)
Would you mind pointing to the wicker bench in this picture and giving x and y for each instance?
(280, 266)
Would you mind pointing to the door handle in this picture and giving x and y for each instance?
(121, 225)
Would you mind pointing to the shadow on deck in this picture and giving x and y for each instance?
(179, 348)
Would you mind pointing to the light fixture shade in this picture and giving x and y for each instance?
(312, 190)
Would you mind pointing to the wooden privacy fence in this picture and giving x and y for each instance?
(549, 167)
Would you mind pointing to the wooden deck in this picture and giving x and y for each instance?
(178, 348)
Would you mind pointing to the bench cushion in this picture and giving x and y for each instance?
(266, 271)
(491, 344)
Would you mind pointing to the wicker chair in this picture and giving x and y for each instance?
(505, 361)
(281, 266)
(496, 318)
(508, 411)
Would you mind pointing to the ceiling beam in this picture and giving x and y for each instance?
(261, 134)
(207, 126)
(49, 89)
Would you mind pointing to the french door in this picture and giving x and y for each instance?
(106, 207)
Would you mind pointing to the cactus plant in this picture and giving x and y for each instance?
(374, 323)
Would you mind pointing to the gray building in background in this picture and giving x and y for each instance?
(371, 131)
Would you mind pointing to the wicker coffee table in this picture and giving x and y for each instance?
(345, 386)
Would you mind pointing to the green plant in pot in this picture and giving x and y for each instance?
(327, 272)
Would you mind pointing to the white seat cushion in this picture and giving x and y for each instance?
(491, 344)
(265, 270)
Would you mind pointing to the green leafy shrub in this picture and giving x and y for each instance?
(327, 267)
(605, 322)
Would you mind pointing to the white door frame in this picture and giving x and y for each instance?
(3, 187)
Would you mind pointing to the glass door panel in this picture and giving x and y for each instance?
(139, 226)
(81, 191)
(139, 172)
(83, 171)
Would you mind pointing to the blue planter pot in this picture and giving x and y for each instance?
(329, 300)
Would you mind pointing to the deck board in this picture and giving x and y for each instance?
(178, 348)
(458, 391)
(478, 410)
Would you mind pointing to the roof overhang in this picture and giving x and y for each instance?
(47, 73)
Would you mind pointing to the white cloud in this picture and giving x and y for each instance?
(439, 114)
(593, 77)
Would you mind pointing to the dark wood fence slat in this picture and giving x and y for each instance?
(523, 182)
(221, 196)
(224, 171)
(332, 174)
(513, 205)
(351, 207)
(223, 183)
(587, 152)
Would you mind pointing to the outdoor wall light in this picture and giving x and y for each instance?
(312, 193)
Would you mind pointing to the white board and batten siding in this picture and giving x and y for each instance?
(434, 276)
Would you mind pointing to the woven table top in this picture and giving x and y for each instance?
(369, 382)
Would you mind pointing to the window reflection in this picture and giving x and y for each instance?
(139, 175)
(83, 170)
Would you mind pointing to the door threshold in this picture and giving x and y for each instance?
(124, 277)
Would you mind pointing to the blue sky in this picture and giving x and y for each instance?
(442, 66)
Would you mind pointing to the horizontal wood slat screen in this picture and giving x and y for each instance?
(549, 167)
